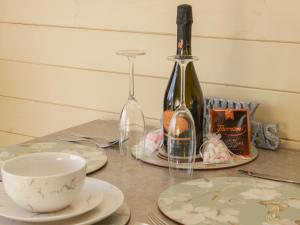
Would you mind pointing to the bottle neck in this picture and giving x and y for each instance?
(184, 36)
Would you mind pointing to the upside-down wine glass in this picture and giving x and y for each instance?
(182, 134)
(132, 122)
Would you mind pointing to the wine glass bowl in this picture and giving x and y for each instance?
(181, 131)
(181, 128)
(132, 122)
(132, 126)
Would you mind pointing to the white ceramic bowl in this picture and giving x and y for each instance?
(44, 182)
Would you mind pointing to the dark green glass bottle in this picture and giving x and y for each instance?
(193, 93)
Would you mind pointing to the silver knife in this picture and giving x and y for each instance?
(268, 177)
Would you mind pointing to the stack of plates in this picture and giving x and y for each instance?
(97, 201)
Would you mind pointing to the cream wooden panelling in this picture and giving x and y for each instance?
(108, 91)
(247, 19)
(7, 139)
(290, 144)
(32, 117)
(249, 64)
(37, 119)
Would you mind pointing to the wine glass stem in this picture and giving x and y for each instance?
(131, 77)
(182, 89)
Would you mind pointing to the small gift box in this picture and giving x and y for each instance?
(234, 127)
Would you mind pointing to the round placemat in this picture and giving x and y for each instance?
(232, 200)
(96, 158)
(153, 158)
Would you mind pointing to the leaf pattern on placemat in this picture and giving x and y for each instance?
(96, 158)
(232, 200)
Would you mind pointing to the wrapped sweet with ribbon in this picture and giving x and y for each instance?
(214, 150)
(154, 140)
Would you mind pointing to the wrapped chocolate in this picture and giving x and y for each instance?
(214, 150)
(154, 140)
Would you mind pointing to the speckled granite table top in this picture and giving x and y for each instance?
(142, 183)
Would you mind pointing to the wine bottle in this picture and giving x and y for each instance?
(193, 93)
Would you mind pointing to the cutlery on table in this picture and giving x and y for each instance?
(88, 136)
(78, 139)
(110, 143)
(156, 220)
(268, 177)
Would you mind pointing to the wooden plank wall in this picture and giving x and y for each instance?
(58, 66)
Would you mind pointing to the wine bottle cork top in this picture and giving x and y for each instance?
(184, 14)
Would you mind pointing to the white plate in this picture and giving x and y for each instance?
(89, 198)
(112, 201)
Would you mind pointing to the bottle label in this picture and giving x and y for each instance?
(180, 44)
(179, 140)
(181, 124)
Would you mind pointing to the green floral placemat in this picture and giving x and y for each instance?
(96, 158)
(232, 201)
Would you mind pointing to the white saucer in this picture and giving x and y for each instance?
(112, 201)
(89, 198)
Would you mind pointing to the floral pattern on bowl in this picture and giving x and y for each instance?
(96, 158)
(232, 201)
